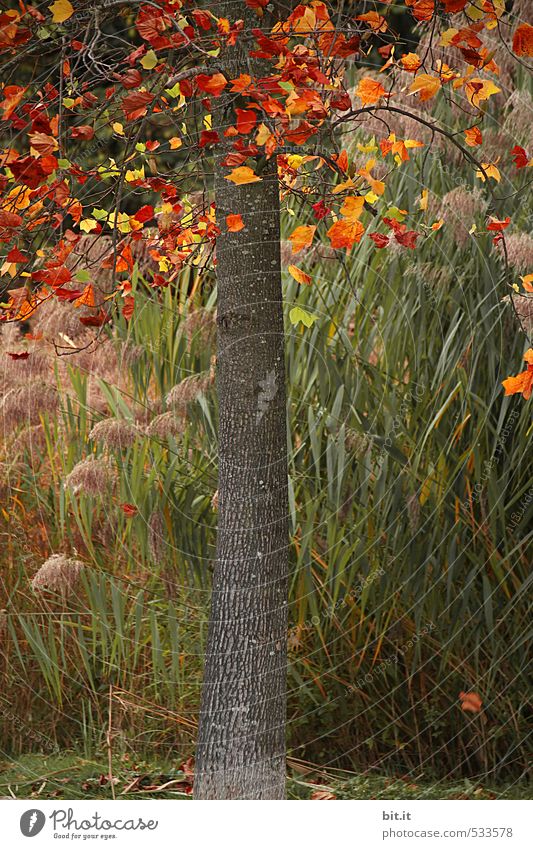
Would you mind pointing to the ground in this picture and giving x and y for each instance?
(66, 775)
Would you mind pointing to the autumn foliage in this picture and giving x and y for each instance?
(152, 105)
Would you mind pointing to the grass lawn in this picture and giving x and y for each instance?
(66, 775)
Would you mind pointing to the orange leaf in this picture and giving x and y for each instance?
(302, 237)
(344, 234)
(241, 176)
(523, 40)
(352, 208)
(299, 275)
(473, 136)
(522, 383)
(369, 91)
(470, 702)
(426, 85)
(86, 298)
(234, 223)
(374, 21)
(411, 62)
(213, 85)
(13, 94)
(42, 144)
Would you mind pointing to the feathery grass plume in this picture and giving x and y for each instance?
(286, 253)
(522, 12)
(431, 275)
(165, 425)
(131, 353)
(114, 433)
(25, 404)
(189, 389)
(157, 536)
(518, 121)
(31, 439)
(15, 371)
(519, 250)
(91, 476)
(58, 574)
(200, 325)
(459, 208)
(523, 311)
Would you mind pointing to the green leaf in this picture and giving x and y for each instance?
(149, 60)
(99, 214)
(394, 212)
(297, 314)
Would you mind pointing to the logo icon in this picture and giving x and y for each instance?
(32, 822)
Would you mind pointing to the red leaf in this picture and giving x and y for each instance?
(131, 78)
(95, 320)
(213, 85)
(208, 137)
(9, 220)
(129, 307)
(135, 104)
(246, 120)
(380, 239)
(23, 356)
(519, 156)
(15, 255)
(145, 213)
(320, 210)
(82, 132)
(129, 509)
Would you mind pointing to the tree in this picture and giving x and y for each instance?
(241, 744)
(265, 94)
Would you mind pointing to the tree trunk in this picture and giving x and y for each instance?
(241, 744)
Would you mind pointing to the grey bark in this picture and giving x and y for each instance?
(241, 742)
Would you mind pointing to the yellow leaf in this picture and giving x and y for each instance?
(149, 60)
(299, 275)
(118, 128)
(61, 11)
(477, 89)
(489, 170)
(135, 174)
(423, 199)
(88, 224)
(175, 142)
(370, 147)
